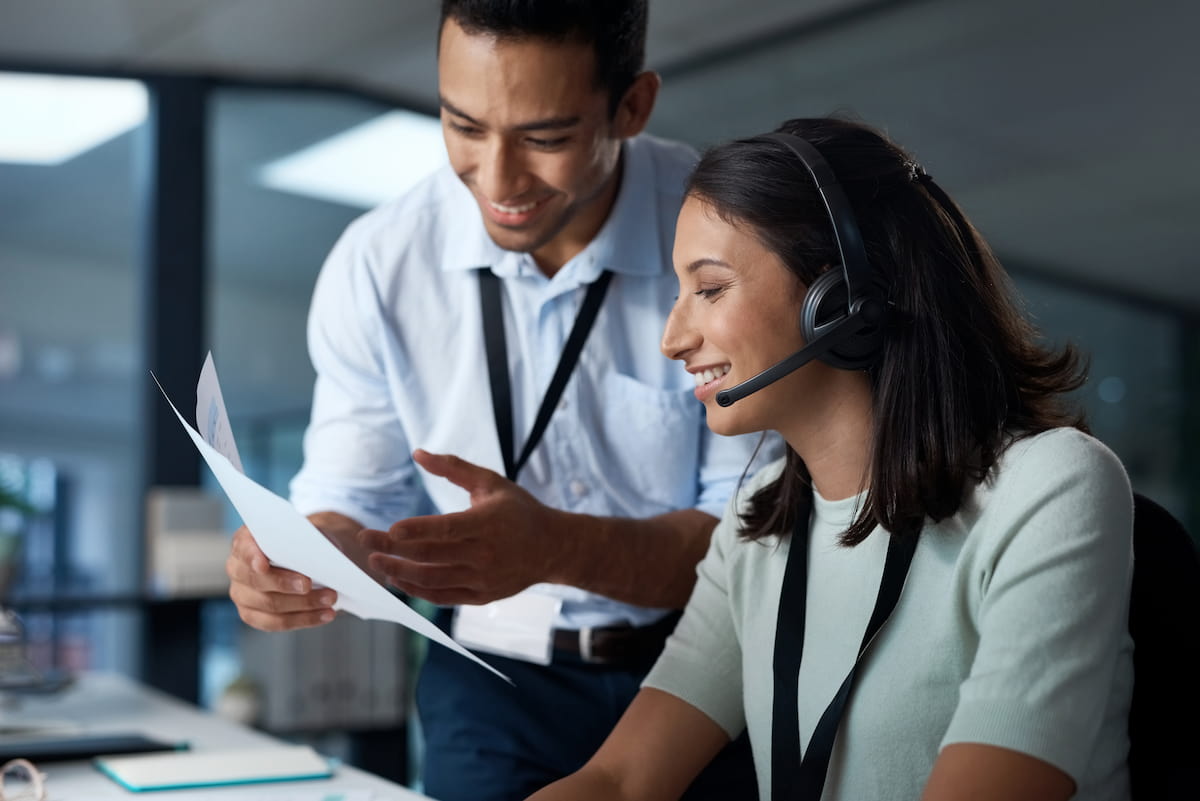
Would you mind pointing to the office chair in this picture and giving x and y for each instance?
(1164, 621)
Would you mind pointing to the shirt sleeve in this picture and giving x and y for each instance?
(725, 464)
(701, 663)
(357, 460)
(1053, 578)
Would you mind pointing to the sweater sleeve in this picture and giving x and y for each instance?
(1053, 578)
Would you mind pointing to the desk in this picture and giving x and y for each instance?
(109, 702)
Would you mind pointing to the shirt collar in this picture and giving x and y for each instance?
(629, 242)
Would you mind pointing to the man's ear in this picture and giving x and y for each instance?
(633, 112)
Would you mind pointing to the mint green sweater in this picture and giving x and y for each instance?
(1011, 630)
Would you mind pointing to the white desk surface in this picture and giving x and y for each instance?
(111, 703)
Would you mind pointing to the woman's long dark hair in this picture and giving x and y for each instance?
(962, 372)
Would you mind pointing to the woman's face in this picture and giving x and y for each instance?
(738, 312)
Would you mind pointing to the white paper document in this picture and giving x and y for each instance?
(288, 538)
(211, 420)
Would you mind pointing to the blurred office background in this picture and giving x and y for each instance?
(173, 173)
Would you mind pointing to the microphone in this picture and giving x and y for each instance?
(833, 336)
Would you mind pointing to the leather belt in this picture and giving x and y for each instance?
(616, 646)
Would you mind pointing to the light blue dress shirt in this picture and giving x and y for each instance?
(396, 336)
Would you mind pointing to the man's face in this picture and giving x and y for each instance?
(529, 133)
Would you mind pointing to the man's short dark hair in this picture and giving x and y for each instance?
(616, 30)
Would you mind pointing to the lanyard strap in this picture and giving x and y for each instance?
(497, 358)
(794, 779)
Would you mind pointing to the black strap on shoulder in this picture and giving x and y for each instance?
(496, 348)
(802, 779)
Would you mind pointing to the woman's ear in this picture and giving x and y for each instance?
(633, 112)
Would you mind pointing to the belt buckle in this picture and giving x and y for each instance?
(585, 643)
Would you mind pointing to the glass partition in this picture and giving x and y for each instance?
(1134, 397)
(71, 375)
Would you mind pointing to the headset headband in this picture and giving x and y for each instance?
(855, 266)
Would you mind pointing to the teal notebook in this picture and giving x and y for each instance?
(180, 770)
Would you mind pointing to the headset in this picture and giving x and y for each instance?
(844, 311)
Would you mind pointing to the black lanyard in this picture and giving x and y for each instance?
(497, 357)
(794, 779)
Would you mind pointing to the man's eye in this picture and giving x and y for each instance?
(547, 144)
(465, 130)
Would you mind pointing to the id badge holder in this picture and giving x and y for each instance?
(520, 626)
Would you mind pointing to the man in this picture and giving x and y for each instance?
(557, 210)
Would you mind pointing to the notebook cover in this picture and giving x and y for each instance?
(276, 763)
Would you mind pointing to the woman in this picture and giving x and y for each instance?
(931, 448)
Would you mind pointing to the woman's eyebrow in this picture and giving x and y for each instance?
(706, 262)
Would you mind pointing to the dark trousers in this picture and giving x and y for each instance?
(488, 741)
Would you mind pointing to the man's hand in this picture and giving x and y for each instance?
(504, 543)
(272, 598)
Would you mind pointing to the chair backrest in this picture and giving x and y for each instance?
(1164, 621)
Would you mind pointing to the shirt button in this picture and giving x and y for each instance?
(578, 488)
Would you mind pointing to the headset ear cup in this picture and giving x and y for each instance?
(826, 304)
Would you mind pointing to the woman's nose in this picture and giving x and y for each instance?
(678, 337)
